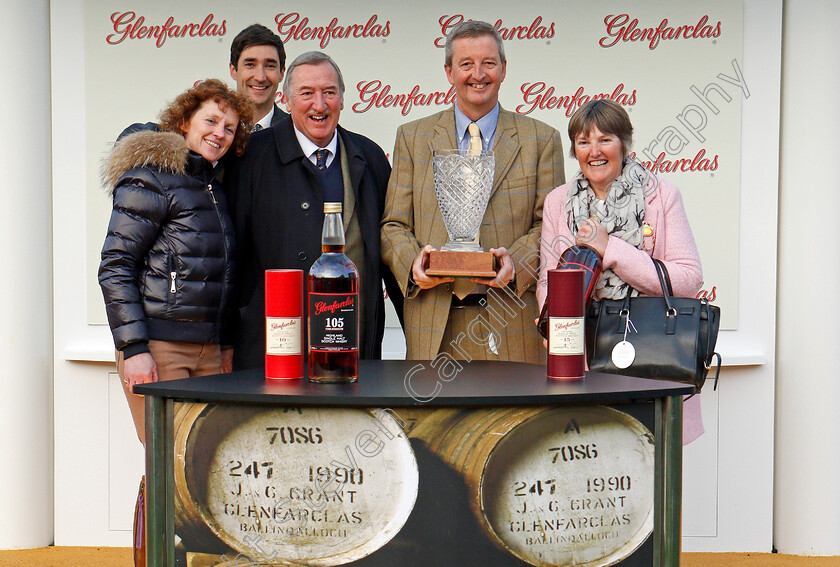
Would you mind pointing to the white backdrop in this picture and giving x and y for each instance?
(728, 501)
(677, 69)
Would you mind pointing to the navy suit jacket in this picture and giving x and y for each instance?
(278, 116)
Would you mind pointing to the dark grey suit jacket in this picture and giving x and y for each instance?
(278, 116)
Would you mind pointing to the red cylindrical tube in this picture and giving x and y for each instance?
(283, 324)
(565, 301)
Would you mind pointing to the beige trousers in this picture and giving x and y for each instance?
(174, 360)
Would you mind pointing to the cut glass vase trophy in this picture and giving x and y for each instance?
(463, 182)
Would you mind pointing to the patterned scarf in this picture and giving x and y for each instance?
(621, 214)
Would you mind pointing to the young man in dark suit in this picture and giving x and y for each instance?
(257, 64)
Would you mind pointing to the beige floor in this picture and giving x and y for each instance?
(121, 557)
(68, 557)
(755, 560)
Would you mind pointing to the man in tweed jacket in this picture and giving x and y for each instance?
(496, 321)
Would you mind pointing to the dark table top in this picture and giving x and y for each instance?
(414, 383)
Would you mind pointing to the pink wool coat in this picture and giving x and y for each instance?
(671, 242)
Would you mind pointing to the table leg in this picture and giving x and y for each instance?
(667, 517)
(160, 491)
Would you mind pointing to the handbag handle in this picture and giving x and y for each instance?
(663, 271)
(665, 280)
(664, 283)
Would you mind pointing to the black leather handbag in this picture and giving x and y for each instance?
(670, 338)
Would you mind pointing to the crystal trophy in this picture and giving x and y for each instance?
(463, 182)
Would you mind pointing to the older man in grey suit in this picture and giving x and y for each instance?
(496, 321)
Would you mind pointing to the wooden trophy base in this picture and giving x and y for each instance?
(454, 263)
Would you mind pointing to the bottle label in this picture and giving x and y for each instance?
(283, 335)
(334, 322)
(565, 335)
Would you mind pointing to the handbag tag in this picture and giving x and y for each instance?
(623, 354)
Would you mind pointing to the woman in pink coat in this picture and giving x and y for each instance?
(626, 214)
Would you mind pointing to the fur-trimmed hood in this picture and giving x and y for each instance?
(166, 151)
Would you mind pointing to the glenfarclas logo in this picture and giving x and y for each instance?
(538, 96)
(283, 324)
(558, 326)
(127, 25)
(535, 30)
(700, 162)
(291, 26)
(323, 306)
(375, 94)
(622, 28)
(710, 295)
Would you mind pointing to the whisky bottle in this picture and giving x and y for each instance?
(333, 306)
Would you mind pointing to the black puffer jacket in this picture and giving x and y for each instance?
(167, 269)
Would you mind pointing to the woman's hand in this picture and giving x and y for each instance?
(139, 369)
(592, 234)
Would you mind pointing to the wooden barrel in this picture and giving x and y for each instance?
(189, 525)
(553, 486)
(291, 486)
(464, 438)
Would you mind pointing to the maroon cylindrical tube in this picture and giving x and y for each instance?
(565, 300)
(283, 324)
(576, 257)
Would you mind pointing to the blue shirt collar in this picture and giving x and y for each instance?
(487, 125)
